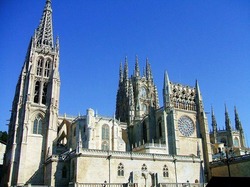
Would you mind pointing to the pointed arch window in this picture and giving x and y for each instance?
(165, 171)
(47, 68)
(44, 94)
(120, 170)
(38, 125)
(39, 67)
(105, 132)
(37, 92)
(144, 168)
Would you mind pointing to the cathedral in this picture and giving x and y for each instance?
(144, 144)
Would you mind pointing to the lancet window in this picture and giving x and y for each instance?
(165, 171)
(44, 94)
(47, 68)
(120, 170)
(38, 125)
(39, 67)
(43, 69)
(105, 137)
(37, 92)
(105, 132)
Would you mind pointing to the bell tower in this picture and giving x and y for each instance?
(33, 122)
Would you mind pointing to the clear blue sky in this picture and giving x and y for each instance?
(204, 40)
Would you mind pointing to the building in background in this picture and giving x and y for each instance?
(230, 153)
(230, 138)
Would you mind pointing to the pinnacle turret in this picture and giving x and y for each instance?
(166, 82)
(227, 120)
(238, 125)
(166, 90)
(148, 70)
(125, 74)
(198, 90)
(137, 69)
(198, 99)
(214, 123)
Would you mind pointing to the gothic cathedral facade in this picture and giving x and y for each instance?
(143, 144)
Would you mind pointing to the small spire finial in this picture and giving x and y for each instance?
(137, 69)
(198, 89)
(214, 123)
(238, 125)
(149, 74)
(125, 74)
(227, 119)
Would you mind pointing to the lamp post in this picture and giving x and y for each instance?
(175, 171)
(228, 159)
(109, 157)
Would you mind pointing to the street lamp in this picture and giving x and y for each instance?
(227, 159)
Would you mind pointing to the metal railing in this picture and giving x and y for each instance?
(182, 184)
(72, 184)
(136, 185)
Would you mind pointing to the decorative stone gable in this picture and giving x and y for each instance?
(183, 97)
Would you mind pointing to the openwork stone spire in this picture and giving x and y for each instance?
(44, 32)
